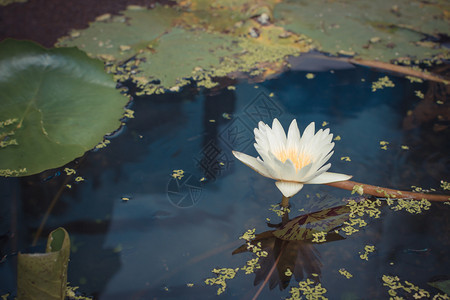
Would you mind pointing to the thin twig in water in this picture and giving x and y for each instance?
(258, 292)
(49, 210)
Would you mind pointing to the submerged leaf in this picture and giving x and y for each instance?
(43, 276)
(305, 227)
(284, 260)
(443, 285)
(56, 104)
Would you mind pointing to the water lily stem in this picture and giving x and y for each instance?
(378, 191)
(284, 202)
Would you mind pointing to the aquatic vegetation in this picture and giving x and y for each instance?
(345, 273)
(413, 79)
(314, 226)
(319, 237)
(309, 289)
(44, 275)
(71, 294)
(358, 209)
(248, 235)
(367, 249)
(7, 2)
(103, 144)
(178, 174)
(384, 145)
(411, 206)
(381, 83)
(56, 100)
(419, 94)
(366, 29)
(396, 287)
(279, 210)
(69, 171)
(292, 160)
(138, 44)
(223, 275)
(358, 189)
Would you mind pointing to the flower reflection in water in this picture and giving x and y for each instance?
(290, 248)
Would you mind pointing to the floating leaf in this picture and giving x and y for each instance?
(43, 276)
(56, 104)
(199, 51)
(368, 29)
(215, 43)
(121, 37)
(443, 285)
(305, 226)
(283, 260)
(7, 2)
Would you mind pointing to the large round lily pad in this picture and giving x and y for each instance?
(55, 104)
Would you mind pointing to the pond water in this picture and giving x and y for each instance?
(137, 232)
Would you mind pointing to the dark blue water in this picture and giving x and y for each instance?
(173, 232)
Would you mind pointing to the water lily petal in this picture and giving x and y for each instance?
(306, 138)
(253, 163)
(279, 167)
(267, 163)
(323, 151)
(324, 158)
(289, 170)
(261, 136)
(316, 171)
(288, 188)
(328, 177)
(277, 137)
(272, 167)
(282, 156)
(293, 137)
(303, 173)
(309, 130)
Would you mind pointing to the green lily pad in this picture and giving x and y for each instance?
(7, 2)
(118, 38)
(42, 276)
(172, 46)
(367, 29)
(443, 285)
(172, 64)
(56, 104)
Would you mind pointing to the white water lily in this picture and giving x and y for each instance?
(292, 160)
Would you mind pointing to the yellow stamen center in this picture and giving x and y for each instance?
(299, 159)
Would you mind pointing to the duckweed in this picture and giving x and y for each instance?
(280, 211)
(381, 83)
(223, 275)
(178, 174)
(309, 289)
(345, 273)
(367, 249)
(319, 237)
(419, 94)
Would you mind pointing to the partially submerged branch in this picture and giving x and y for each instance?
(378, 191)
